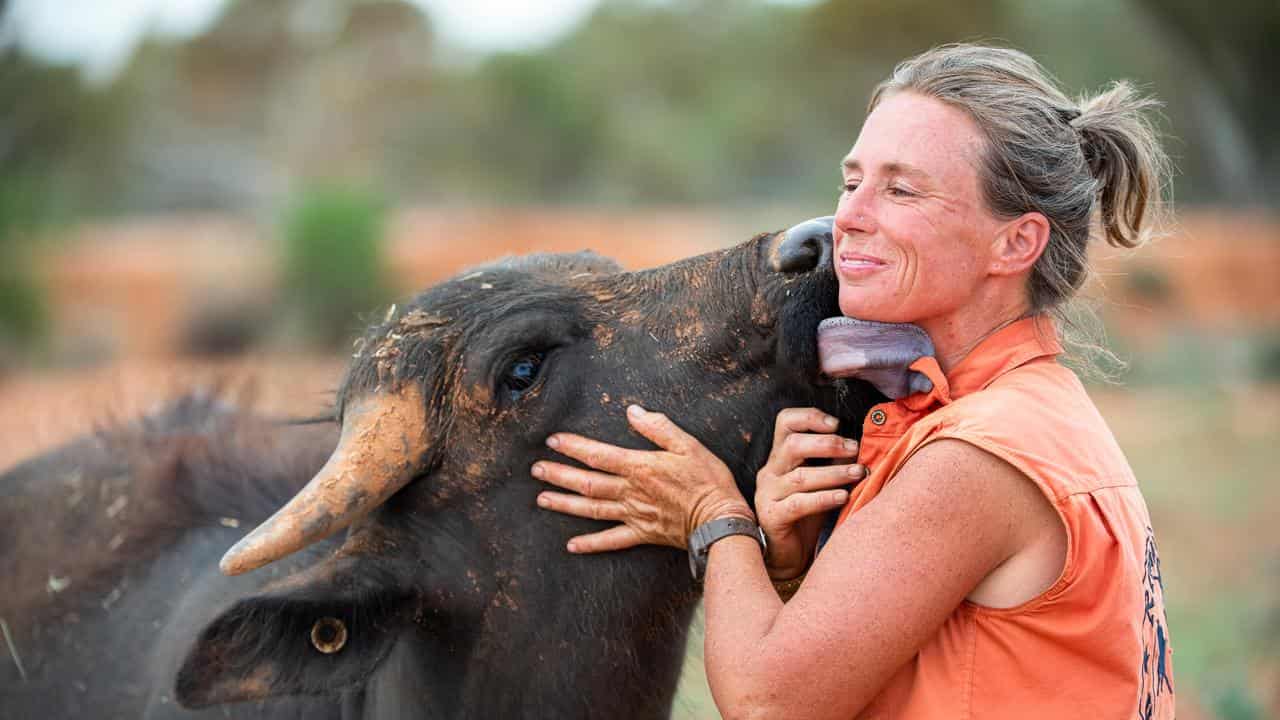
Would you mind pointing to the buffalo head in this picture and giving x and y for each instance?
(451, 593)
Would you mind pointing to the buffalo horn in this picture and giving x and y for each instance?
(382, 447)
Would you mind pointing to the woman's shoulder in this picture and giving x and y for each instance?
(1037, 394)
(1040, 419)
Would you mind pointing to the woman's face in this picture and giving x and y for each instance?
(913, 237)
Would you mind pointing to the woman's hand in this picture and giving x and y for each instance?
(791, 498)
(659, 496)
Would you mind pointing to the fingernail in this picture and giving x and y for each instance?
(572, 546)
(553, 442)
(830, 422)
(635, 411)
(537, 470)
(851, 445)
(543, 501)
(840, 497)
(856, 471)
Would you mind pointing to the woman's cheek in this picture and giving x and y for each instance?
(861, 301)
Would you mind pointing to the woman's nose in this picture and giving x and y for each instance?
(854, 213)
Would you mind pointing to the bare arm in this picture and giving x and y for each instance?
(954, 519)
(887, 580)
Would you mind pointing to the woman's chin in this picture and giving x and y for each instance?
(861, 303)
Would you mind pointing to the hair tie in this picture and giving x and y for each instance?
(1093, 157)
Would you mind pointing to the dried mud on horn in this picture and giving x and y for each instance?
(382, 447)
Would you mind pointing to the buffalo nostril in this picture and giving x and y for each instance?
(803, 247)
(329, 635)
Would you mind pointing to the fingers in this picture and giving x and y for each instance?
(618, 537)
(584, 482)
(798, 447)
(793, 420)
(809, 478)
(679, 482)
(585, 507)
(660, 430)
(803, 433)
(782, 501)
(593, 453)
(801, 505)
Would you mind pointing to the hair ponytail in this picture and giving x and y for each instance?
(1122, 149)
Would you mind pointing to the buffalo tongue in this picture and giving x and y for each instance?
(880, 353)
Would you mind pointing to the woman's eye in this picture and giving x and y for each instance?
(521, 374)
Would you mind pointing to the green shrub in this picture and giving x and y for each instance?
(23, 312)
(333, 265)
(22, 304)
(1234, 702)
(1267, 356)
(1150, 284)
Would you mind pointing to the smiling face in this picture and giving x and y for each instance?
(913, 236)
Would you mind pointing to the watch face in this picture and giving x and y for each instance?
(698, 554)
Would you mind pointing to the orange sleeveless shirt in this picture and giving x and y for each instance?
(1094, 645)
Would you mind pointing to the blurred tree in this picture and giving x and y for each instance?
(58, 138)
(57, 144)
(1232, 44)
(737, 102)
(276, 93)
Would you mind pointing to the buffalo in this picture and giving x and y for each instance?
(449, 595)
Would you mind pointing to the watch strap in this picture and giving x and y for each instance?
(706, 534)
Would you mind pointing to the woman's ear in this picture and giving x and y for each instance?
(1019, 244)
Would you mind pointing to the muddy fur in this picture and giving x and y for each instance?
(457, 595)
(423, 341)
(85, 512)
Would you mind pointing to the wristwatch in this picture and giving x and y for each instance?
(707, 533)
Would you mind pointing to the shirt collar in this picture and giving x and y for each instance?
(1012, 346)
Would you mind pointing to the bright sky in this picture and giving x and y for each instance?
(101, 34)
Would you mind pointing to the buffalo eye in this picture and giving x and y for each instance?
(329, 635)
(521, 374)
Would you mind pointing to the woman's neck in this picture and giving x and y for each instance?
(956, 334)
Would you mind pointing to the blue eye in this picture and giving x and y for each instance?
(524, 370)
(521, 374)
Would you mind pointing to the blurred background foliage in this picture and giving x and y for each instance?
(22, 311)
(333, 266)
(263, 181)
(707, 101)
(731, 104)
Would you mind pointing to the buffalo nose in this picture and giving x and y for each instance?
(804, 247)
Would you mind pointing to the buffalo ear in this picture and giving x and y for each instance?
(307, 640)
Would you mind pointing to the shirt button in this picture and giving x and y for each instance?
(878, 417)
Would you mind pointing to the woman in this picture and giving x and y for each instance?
(997, 558)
